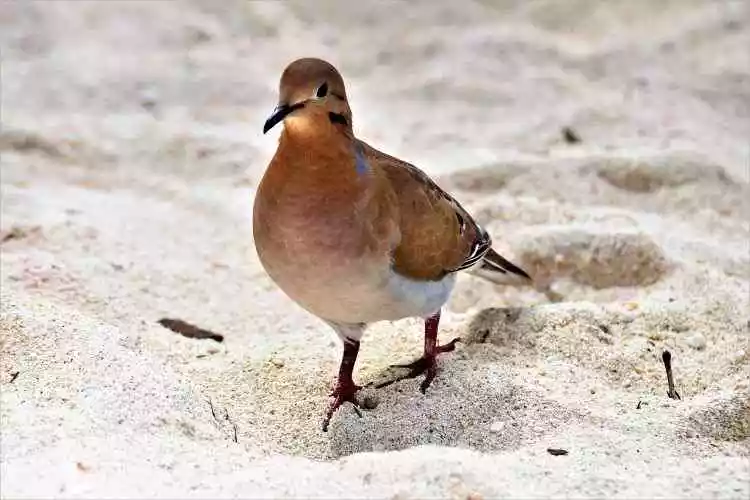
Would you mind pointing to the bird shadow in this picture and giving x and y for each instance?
(476, 401)
(470, 405)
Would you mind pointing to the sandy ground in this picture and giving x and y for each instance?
(131, 147)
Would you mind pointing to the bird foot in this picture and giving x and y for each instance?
(427, 364)
(343, 392)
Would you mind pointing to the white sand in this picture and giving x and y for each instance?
(131, 146)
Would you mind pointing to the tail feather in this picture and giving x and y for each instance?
(496, 268)
(495, 261)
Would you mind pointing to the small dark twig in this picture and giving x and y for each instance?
(667, 358)
(235, 432)
(570, 136)
(556, 452)
(638, 406)
(14, 376)
(211, 405)
(190, 331)
(357, 411)
(234, 426)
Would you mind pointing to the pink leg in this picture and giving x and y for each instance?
(427, 363)
(345, 388)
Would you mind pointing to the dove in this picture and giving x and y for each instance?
(355, 236)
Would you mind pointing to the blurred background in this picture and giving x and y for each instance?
(187, 85)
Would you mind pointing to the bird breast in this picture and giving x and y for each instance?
(325, 232)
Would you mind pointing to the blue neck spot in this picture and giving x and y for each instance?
(359, 161)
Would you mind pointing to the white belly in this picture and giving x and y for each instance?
(408, 297)
(355, 297)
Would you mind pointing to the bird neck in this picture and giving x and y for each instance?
(326, 153)
(318, 125)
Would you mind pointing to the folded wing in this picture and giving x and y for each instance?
(438, 236)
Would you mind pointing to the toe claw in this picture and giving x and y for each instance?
(450, 346)
(422, 365)
(341, 394)
(428, 378)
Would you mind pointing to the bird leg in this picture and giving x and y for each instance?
(345, 388)
(427, 363)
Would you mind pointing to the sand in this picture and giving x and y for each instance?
(131, 149)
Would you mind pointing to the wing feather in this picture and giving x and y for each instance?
(438, 236)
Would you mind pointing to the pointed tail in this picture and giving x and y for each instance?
(496, 268)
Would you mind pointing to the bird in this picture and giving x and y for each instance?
(356, 236)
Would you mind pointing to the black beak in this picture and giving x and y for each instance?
(281, 112)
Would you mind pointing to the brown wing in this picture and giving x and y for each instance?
(437, 235)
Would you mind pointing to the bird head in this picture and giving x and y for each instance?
(311, 94)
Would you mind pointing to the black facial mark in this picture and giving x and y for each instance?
(337, 118)
(322, 90)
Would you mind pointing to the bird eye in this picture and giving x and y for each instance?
(322, 90)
